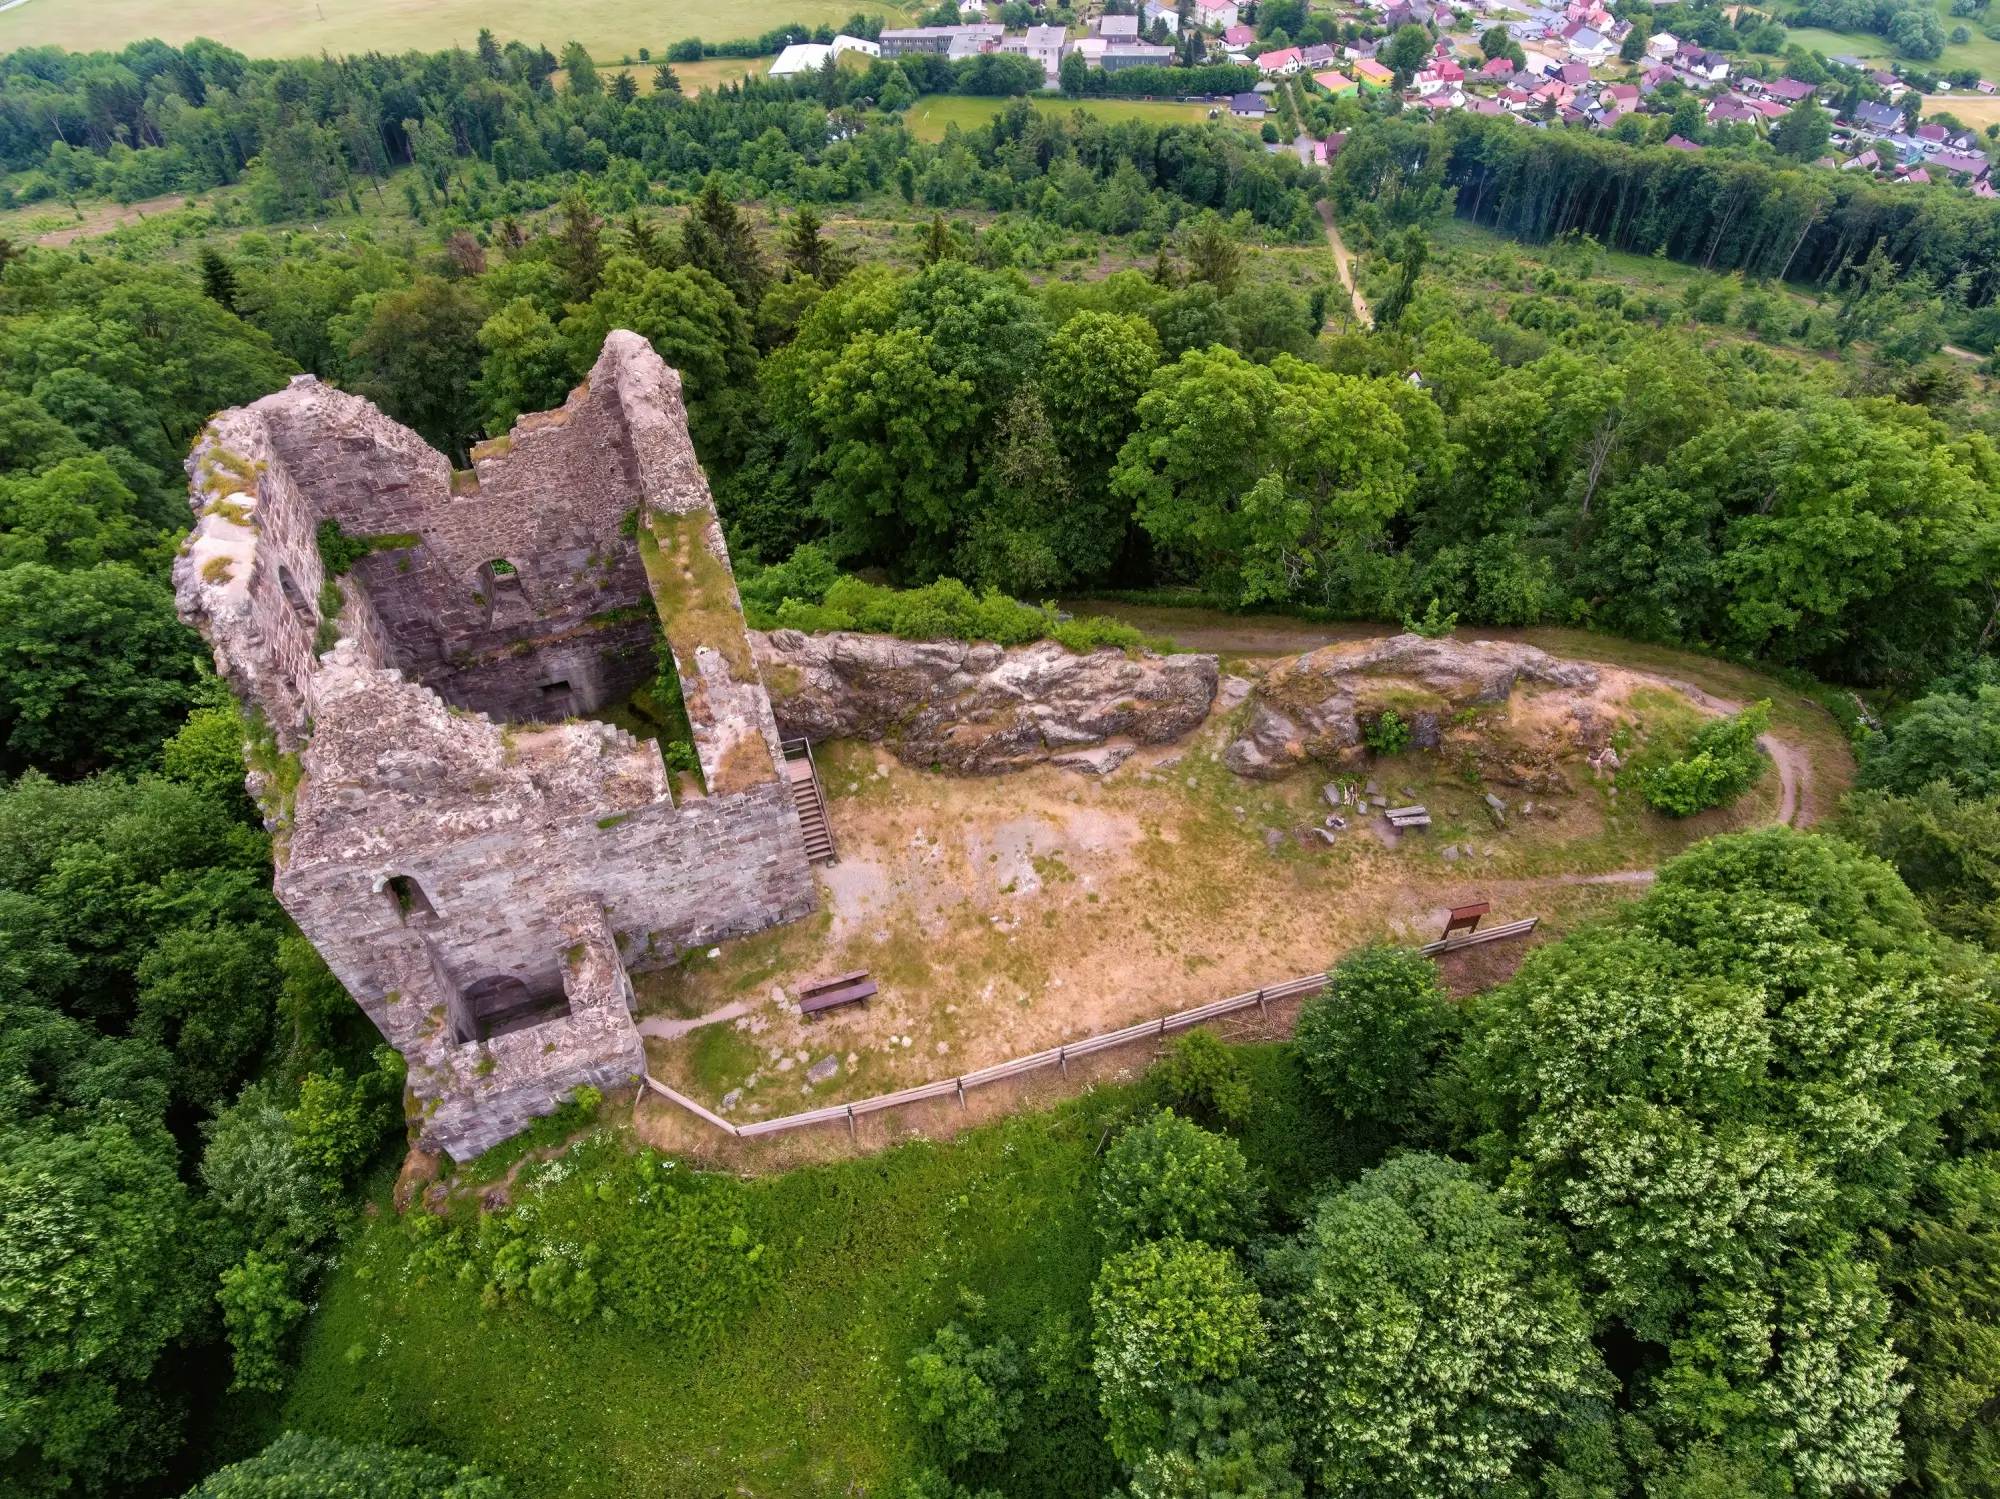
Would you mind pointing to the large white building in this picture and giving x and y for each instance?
(810, 57)
(1044, 44)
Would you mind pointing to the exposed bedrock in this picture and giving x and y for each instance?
(1313, 707)
(978, 709)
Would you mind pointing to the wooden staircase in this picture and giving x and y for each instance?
(811, 802)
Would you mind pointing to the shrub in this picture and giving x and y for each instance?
(1722, 763)
(1174, 1318)
(806, 592)
(1946, 736)
(966, 1392)
(1169, 1177)
(1388, 734)
(1369, 1042)
(258, 1309)
(1204, 1079)
(297, 1466)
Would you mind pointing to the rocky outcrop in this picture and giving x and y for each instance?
(1313, 707)
(978, 709)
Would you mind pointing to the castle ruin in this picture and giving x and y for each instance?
(478, 861)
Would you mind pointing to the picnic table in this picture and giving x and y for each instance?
(830, 994)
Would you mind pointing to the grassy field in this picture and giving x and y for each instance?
(929, 115)
(294, 28)
(801, 1394)
(1981, 52)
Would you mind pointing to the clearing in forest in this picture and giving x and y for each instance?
(1002, 915)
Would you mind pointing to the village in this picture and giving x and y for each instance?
(1576, 65)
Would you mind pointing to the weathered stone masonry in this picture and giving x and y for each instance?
(479, 872)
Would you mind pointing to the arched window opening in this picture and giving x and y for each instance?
(411, 902)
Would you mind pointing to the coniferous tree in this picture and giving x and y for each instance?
(218, 278)
(579, 247)
(717, 239)
(811, 253)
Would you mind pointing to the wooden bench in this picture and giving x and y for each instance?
(830, 994)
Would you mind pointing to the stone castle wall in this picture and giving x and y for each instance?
(478, 877)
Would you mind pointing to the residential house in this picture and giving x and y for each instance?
(1681, 143)
(1448, 70)
(1499, 70)
(1983, 188)
(1877, 119)
(1932, 136)
(1238, 36)
(1249, 106)
(1161, 11)
(1044, 44)
(1514, 98)
(1591, 46)
(1355, 51)
(1575, 74)
(1732, 110)
(1089, 48)
(1918, 176)
(1662, 45)
(1426, 82)
(946, 41)
(1624, 95)
(1977, 167)
(1787, 90)
(1702, 64)
(1119, 56)
(1867, 161)
(1486, 106)
(1370, 74)
(1286, 60)
(1319, 55)
(1116, 28)
(1216, 15)
(1652, 78)
(1406, 13)
(1334, 83)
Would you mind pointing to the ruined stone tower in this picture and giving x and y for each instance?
(477, 860)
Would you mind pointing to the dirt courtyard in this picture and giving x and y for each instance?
(1003, 915)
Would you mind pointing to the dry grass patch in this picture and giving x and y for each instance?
(1003, 915)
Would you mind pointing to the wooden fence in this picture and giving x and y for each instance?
(956, 1087)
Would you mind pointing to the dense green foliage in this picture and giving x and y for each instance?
(1721, 763)
(1429, 1345)
(297, 1466)
(1727, 210)
(1659, 1093)
(967, 1391)
(1371, 1040)
(1205, 1080)
(1169, 1177)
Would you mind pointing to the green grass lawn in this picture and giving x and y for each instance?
(930, 114)
(298, 28)
(802, 1392)
(1981, 52)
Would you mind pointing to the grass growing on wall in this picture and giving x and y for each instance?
(802, 1390)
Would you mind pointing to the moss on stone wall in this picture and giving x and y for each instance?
(694, 590)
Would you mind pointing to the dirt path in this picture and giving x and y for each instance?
(1344, 264)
